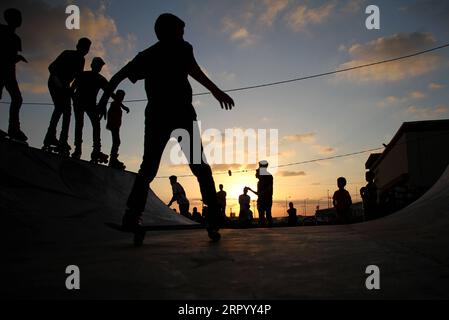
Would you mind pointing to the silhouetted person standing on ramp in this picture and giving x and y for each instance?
(67, 66)
(221, 198)
(114, 123)
(264, 193)
(369, 197)
(245, 215)
(165, 67)
(11, 45)
(342, 202)
(86, 87)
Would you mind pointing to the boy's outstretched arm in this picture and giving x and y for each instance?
(113, 84)
(225, 100)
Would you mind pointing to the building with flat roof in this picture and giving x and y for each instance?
(412, 162)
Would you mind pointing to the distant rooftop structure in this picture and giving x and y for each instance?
(414, 159)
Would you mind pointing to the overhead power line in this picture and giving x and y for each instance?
(276, 83)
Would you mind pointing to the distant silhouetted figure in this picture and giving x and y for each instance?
(114, 124)
(11, 45)
(196, 216)
(264, 193)
(179, 195)
(369, 197)
(63, 71)
(342, 202)
(221, 198)
(245, 214)
(165, 66)
(86, 87)
(292, 216)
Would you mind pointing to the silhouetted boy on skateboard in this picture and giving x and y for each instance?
(342, 202)
(165, 67)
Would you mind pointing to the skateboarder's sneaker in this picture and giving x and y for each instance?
(17, 135)
(213, 234)
(50, 144)
(77, 153)
(63, 149)
(115, 163)
(131, 221)
(98, 157)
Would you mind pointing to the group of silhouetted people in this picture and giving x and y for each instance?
(67, 82)
(165, 67)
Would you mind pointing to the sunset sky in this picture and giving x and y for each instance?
(242, 43)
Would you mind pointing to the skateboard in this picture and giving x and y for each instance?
(140, 232)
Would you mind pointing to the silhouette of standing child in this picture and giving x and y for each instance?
(9, 57)
(63, 71)
(114, 123)
(86, 87)
(292, 216)
(342, 202)
(165, 66)
(245, 215)
(369, 197)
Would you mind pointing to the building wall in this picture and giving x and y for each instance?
(394, 165)
(428, 154)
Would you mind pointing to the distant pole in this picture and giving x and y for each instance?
(328, 199)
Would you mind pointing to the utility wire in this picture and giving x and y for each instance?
(269, 84)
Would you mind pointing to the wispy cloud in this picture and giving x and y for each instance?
(390, 47)
(291, 173)
(301, 137)
(427, 113)
(41, 47)
(324, 150)
(272, 10)
(395, 100)
(435, 86)
(237, 32)
(303, 15)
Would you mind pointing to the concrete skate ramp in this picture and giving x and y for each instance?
(52, 214)
(45, 195)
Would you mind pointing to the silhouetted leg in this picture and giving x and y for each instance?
(184, 209)
(66, 106)
(79, 124)
(203, 173)
(261, 211)
(57, 112)
(16, 102)
(156, 138)
(115, 142)
(268, 213)
(96, 129)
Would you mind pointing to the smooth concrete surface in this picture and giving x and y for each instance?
(323, 262)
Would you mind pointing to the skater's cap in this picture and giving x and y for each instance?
(173, 177)
(263, 164)
(98, 61)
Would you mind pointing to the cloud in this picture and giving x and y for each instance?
(427, 113)
(390, 47)
(272, 9)
(324, 150)
(302, 16)
(291, 173)
(238, 32)
(435, 86)
(302, 137)
(394, 100)
(44, 37)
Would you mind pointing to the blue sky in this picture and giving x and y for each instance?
(240, 43)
